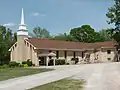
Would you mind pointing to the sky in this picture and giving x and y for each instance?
(57, 16)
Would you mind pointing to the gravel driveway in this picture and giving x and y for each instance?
(97, 77)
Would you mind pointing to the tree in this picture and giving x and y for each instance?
(65, 37)
(114, 18)
(41, 32)
(104, 35)
(84, 34)
(6, 41)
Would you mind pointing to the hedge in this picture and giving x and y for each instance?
(60, 62)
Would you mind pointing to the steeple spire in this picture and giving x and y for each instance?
(22, 17)
(22, 30)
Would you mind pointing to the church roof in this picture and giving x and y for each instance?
(67, 45)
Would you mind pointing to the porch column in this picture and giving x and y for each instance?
(54, 60)
(47, 61)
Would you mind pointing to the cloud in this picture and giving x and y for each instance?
(37, 14)
(9, 24)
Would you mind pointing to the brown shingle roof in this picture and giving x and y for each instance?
(59, 44)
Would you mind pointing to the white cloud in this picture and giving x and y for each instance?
(9, 24)
(37, 14)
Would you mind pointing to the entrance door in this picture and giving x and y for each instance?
(42, 61)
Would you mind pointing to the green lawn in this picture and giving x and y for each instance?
(65, 84)
(17, 72)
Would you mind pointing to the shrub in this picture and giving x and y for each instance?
(25, 65)
(24, 62)
(75, 59)
(21, 65)
(13, 64)
(4, 66)
(28, 62)
(67, 63)
(60, 61)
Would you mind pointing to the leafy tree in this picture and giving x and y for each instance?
(84, 34)
(104, 35)
(65, 37)
(6, 41)
(114, 18)
(41, 32)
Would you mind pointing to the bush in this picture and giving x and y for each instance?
(25, 65)
(75, 59)
(60, 62)
(21, 65)
(13, 64)
(4, 66)
(67, 63)
(24, 62)
(28, 62)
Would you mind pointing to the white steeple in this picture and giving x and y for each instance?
(22, 17)
(22, 30)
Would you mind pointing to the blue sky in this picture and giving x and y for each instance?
(57, 16)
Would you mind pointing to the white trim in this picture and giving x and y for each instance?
(22, 33)
(30, 44)
(107, 47)
(62, 49)
(12, 46)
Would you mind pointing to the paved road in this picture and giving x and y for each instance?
(97, 77)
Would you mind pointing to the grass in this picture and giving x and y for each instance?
(17, 72)
(64, 84)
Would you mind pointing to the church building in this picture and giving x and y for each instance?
(41, 51)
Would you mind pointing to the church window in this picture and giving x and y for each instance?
(57, 54)
(65, 53)
(15, 45)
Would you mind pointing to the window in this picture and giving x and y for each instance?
(27, 44)
(108, 51)
(82, 54)
(74, 54)
(65, 53)
(13, 48)
(57, 54)
(15, 45)
(50, 51)
(109, 59)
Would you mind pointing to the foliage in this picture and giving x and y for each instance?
(60, 62)
(4, 66)
(114, 18)
(28, 62)
(7, 38)
(105, 35)
(13, 64)
(21, 65)
(65, 37)
(24, 62)
(41, 32)
(84, 34)
(25, 65)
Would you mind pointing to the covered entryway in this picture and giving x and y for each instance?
(46, 58)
